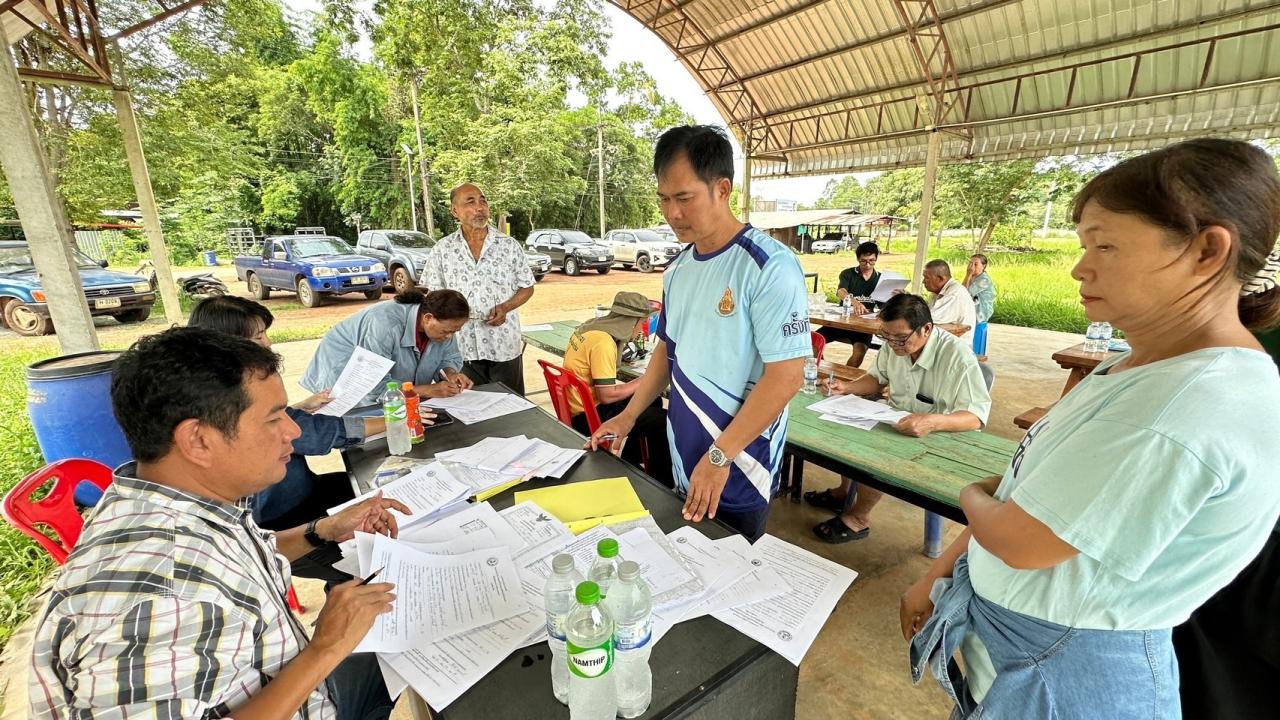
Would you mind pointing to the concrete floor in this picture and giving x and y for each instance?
(857, 667)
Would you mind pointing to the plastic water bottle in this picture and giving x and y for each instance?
(810, 376)
(393, 411)
(1104, 337)
(589, 641)
(1092, 336)
(631, 605)
(412, 403)
(846, 305)
(605, 567)
(560, 597)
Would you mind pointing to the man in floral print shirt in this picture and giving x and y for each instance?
(490, 269)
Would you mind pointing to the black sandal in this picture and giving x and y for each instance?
(824, 499)
(835, 532)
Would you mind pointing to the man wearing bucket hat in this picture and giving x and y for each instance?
(594, 354)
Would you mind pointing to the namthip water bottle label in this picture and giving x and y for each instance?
(634, 637)
(590, 662)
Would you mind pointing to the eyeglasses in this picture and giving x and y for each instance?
(896, 340)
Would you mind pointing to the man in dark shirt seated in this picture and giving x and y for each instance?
(856, 282)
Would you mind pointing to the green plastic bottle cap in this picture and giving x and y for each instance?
(588, 593)
(607, 548)
(393, 385)
(628, 570)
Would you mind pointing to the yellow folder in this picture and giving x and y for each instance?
(584, 505)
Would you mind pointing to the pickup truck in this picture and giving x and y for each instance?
(311, 266)
(641, 249)
(572, 250)
(23, 305)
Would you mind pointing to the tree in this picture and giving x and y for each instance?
(846, 192)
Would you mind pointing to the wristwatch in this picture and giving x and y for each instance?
(312, 536)
(718, 458)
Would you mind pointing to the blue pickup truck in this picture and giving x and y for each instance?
(311, 266)
(126, 297)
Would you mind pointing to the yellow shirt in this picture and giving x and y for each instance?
(593, 357)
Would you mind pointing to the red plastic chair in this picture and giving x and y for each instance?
(819, 344)
(651, 327)
(57, 510)
(560, 382)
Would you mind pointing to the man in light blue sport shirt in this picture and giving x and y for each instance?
(733, 335)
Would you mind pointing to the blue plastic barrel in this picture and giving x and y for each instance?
(69, 402)
(210, 257)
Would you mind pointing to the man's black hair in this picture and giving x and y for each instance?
(867, 248)
(180, 374)
(706, 146)
(231, 315)
(905, 306)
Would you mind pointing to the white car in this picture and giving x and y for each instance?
(825, 246)
(642, 249)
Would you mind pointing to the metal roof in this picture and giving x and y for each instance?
(771, 220)
(826, 86)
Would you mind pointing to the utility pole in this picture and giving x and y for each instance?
(408, 173)
(600, 164)
(425, 174)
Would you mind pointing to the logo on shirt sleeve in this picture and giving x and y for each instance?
(726, 306)
(796, 326)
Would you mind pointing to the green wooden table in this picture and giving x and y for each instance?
(928, 472)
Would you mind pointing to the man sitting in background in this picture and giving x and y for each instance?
(930, 373)
(951, 303)
(594, 354)
(856, 282)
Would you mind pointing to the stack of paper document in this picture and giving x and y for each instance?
(425, 490)
(856, 411)
(495, 463)
(473, 406)
(358, 383)
(583, 505)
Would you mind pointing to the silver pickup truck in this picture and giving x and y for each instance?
(641, 249)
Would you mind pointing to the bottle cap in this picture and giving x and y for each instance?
(607, 548)
(588, 593)
(393, 385)
(628, 570)
(562, 564)
(406, 386)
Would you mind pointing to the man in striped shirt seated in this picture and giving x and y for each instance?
(173, 604)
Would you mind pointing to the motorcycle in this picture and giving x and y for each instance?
(201, 286)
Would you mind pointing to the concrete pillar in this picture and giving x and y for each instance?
(147, 201)
(926, 211)
(44, 222)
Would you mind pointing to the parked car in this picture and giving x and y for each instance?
(311, 266)
(826, 246)
(666, 233)
(641, 249)
(571, 250)
(403, 252)
(24, 306)
(539, 264)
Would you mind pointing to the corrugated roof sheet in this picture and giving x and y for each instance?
(770, 220)
(823, 86)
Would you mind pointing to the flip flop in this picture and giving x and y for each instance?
(835, 532)
(824, 499)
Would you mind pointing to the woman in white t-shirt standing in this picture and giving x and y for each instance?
(1146, 488)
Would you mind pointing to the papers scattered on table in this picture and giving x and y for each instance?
(789, 622)
(361, 376)
(438, 596)
(473, 406)
(535, 328)
(583, 505)
(495, 463)
(856, 411)
(424, 489)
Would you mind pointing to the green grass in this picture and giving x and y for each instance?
(23, 563)
(1034, 287)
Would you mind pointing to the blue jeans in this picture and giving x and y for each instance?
(357, 689)
(1045, 670)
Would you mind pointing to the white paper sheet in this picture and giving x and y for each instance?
(537, 528)
(476, 479)
(507, 405)
(360, 377)
(788, 623)
(470, 400)
(424, 490)
(535, 328)
(475, 518)
(439, 596)
(853, 407)
(660, 571)
(860, 424)
(886, 286)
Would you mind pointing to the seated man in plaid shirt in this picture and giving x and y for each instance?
(173, 604)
